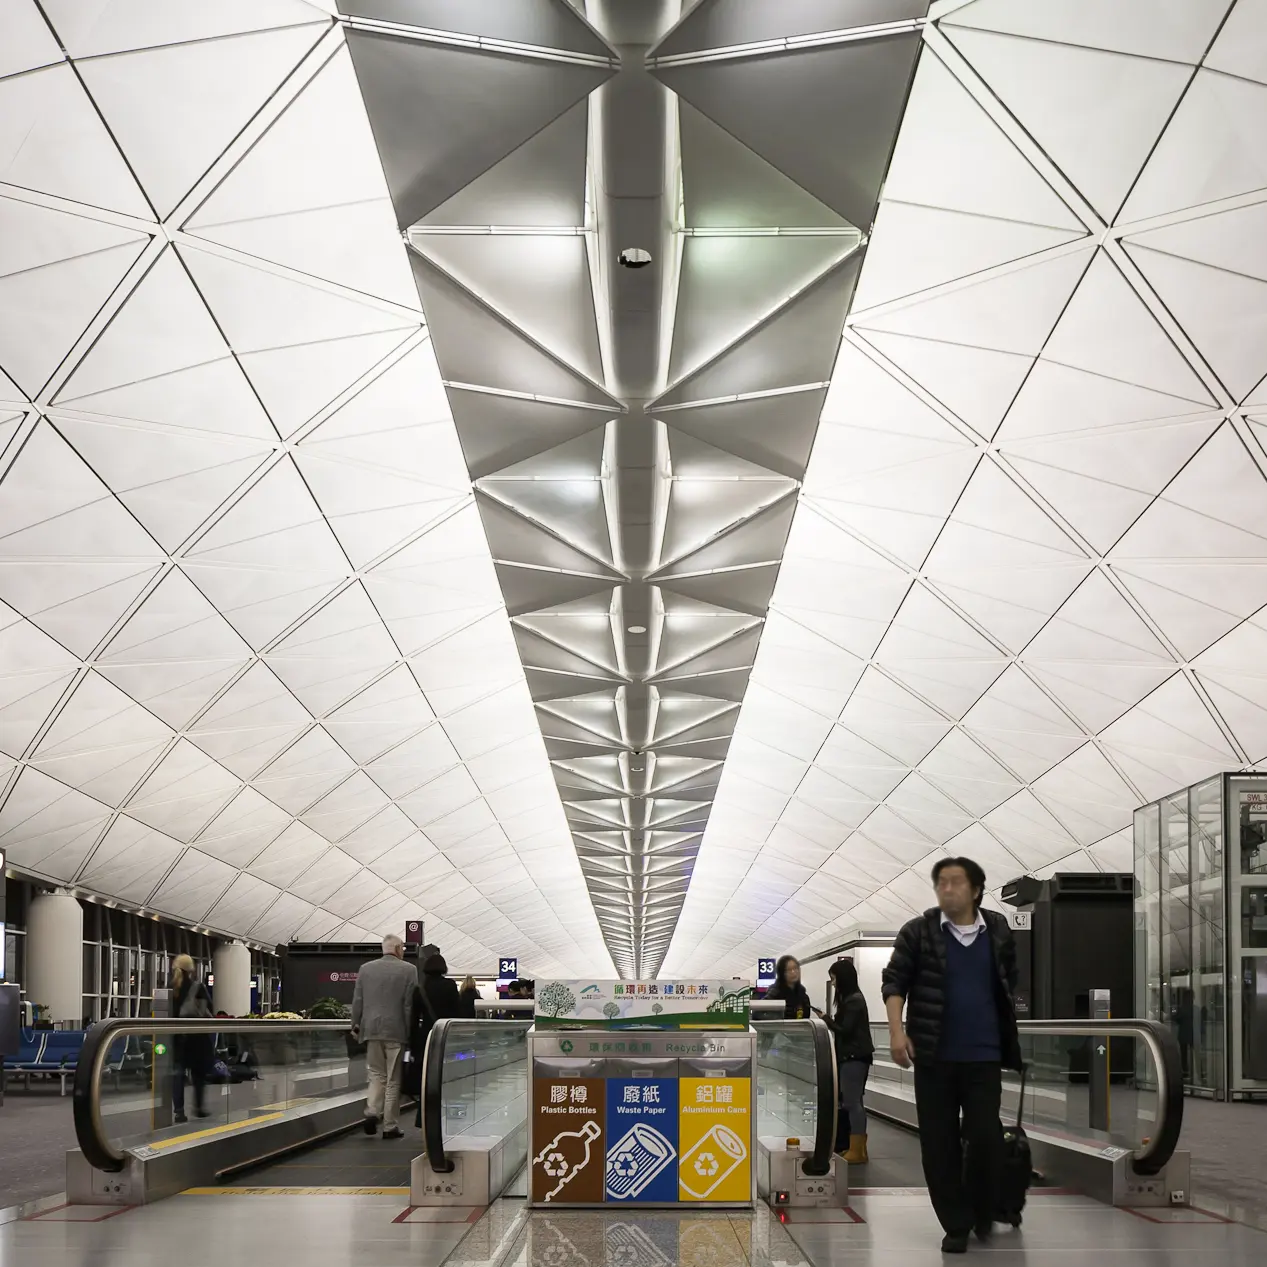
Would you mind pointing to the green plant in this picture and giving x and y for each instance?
(327, 1009)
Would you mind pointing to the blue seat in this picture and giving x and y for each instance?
(47, 1053)
(61, 1050)
(30, 1052)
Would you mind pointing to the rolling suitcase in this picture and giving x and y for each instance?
(1016, 1169)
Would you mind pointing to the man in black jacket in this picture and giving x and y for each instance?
(953, 970)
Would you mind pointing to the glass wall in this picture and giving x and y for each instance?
(1201, 929)
(1208, 948)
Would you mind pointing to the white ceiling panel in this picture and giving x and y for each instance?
(1081, 624)
(373, 546)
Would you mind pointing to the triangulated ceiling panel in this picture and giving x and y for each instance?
(258, 673)
(1041, 422)
(516, 466)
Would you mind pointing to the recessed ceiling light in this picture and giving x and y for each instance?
(637, 629)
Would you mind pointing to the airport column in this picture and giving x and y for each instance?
(231, 967)
(55, 956)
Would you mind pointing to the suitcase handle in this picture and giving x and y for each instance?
(1020, 1104)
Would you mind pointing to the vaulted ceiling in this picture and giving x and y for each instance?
(621, 486)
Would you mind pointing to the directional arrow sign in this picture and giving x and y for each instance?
(1100, 1049)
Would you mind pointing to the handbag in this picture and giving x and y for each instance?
(195, 1005)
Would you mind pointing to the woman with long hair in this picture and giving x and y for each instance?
(851, 1025)
(436, 998)
(789, 987)
(468, 993)
(192, 1054)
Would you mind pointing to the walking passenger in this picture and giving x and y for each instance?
(954, 970)
(851, 1024)
(380, 1019)
(192, 1054)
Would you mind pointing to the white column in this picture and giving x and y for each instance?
(231, 967)
(55, 956)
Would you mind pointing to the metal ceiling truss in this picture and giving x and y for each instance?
(636, 425)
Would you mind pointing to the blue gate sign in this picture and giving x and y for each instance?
(642, 1130)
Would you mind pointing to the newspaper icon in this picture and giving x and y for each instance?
(634, 1162)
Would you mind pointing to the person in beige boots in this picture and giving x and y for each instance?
(851, 1025)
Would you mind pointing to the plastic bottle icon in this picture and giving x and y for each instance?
(634, 1162)
(718, 1154)
(566, 1155)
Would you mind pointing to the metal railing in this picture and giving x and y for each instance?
(98, 1149)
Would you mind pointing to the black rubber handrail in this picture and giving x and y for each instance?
(826, 1093)
(1163, 1046)
(433, 1099)
(96, 1146)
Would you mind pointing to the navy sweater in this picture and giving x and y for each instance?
(970, 1023)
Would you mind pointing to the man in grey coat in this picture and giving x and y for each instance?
(380, 1019)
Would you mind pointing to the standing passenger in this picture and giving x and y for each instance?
(468, 994)
(380, 1019)
(851, 1024)
(436, 998)
(789, 987)
(954, 969)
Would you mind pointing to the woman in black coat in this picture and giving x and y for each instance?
(789, 987)
(435, 999)
(851, 1025)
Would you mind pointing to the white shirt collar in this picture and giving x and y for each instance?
(965, 933)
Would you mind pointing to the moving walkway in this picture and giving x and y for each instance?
(1114, 1141)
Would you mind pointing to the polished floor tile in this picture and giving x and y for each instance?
(334, 1230)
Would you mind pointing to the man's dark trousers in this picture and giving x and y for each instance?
(942, 1089)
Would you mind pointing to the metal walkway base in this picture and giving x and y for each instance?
(198, 1159)
(483, 1165)
(1101, 1172)
(782, 1181)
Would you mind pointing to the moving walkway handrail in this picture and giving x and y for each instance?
(826, 1091)
(433, 1098)
(433, 1080)
(90, 1132)
(1163, 1047)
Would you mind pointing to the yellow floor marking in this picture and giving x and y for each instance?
(295, 1192)
(213, 1131)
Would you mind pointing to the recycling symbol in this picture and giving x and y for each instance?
(706, 1164)
(556, 1166)
(625, 1164)
(566, 1045)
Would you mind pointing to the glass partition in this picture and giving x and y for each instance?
(484, 1089)
(245, 1074)
(787, 1080)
